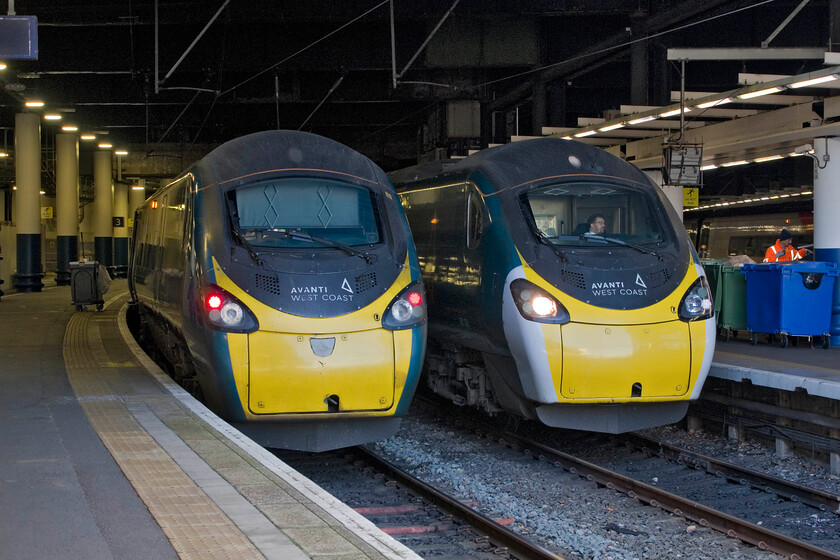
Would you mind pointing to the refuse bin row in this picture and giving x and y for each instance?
(784, 299)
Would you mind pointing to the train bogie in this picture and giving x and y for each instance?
(535, 311)
(292, 292)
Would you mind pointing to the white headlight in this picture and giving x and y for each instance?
(232, 314)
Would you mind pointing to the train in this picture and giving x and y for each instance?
(720, 237)
(279, 277)
(532, 315)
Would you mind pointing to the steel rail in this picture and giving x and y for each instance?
(733, 527)
(789, 490)
(513, 543)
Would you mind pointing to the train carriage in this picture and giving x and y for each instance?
(531, 313)
(279, 277)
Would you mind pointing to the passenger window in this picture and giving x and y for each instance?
(475, 218)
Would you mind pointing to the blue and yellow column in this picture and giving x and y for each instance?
(28, 202)
(103, 209)
(67, 205)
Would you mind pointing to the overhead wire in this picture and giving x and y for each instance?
(309, 46)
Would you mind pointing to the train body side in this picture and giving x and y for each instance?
(316, 369)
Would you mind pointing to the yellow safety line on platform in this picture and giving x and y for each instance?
(194, 524)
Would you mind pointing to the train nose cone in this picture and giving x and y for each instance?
(322, 347)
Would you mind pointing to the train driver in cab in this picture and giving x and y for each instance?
(783, 249)
(597, 225)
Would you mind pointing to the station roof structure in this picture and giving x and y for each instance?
(403, 81)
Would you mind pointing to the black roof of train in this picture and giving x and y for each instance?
(521, 162)
(289, 150)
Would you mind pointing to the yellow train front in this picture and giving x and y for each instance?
(279, 276)
(562, 286)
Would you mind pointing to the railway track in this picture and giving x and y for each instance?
(424, 518)
(755, 499)
(766, 512)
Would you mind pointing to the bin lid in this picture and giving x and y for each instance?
(791, 267)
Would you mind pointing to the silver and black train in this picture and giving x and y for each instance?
(533, 313)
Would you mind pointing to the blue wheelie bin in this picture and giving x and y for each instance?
(790, 299)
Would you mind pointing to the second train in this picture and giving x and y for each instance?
(606, 327)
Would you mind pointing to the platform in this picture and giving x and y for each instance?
(801, 367)
(103, 456)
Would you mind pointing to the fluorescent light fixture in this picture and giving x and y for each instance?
(41, 192)
(88, 136)
(813, 82)
(768, 158)
(34, 103)
(611, 127)
(138, 188)
(120, 153)
(566, 138)
(708, 167)
(105, 145)
(714, 103)
(69, 128)
(734, 163)
(673, 112)
(2, 66)
(759, 93)
(585, 133)
(4, 154)
(641, 120)
(52, 117)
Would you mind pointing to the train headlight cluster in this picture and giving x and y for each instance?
(224, 312)
(697, 302)
(535, 304)
(407, 310)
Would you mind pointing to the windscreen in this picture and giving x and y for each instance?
(577, 213)
(270, 213)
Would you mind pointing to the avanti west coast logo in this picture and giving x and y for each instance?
(620, 288)
(322, 293)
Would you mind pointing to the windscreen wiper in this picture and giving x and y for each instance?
(240, 237)
(300, 236)
(602, 239)
(244, 242)
(543, 238)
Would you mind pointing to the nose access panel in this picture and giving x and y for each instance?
(292, 373)
(647, 361)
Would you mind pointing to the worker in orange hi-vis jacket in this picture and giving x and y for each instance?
(783, 249)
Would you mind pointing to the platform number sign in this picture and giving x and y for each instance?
(119, 221)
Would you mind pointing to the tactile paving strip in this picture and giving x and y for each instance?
(194, 524)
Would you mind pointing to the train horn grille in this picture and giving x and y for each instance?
(575, 278)
(365, 282)
(658, 278)
(268, 284)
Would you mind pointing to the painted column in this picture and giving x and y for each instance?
(67, 205)
(672, 193)
(826, 210)
(28, 203)
(120, 230)
(103, 209)
(136, 197)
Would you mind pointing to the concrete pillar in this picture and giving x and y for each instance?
(826, 210)
(67, 205)
(28, 203)
(639, 68)
(103, 209)
(136, 197)
(120, 230)
(672, 193)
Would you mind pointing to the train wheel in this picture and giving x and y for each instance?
(80, 308)
(100, 306)
(734, 333)
(726, 335)
(826, 341)
(783, 340)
